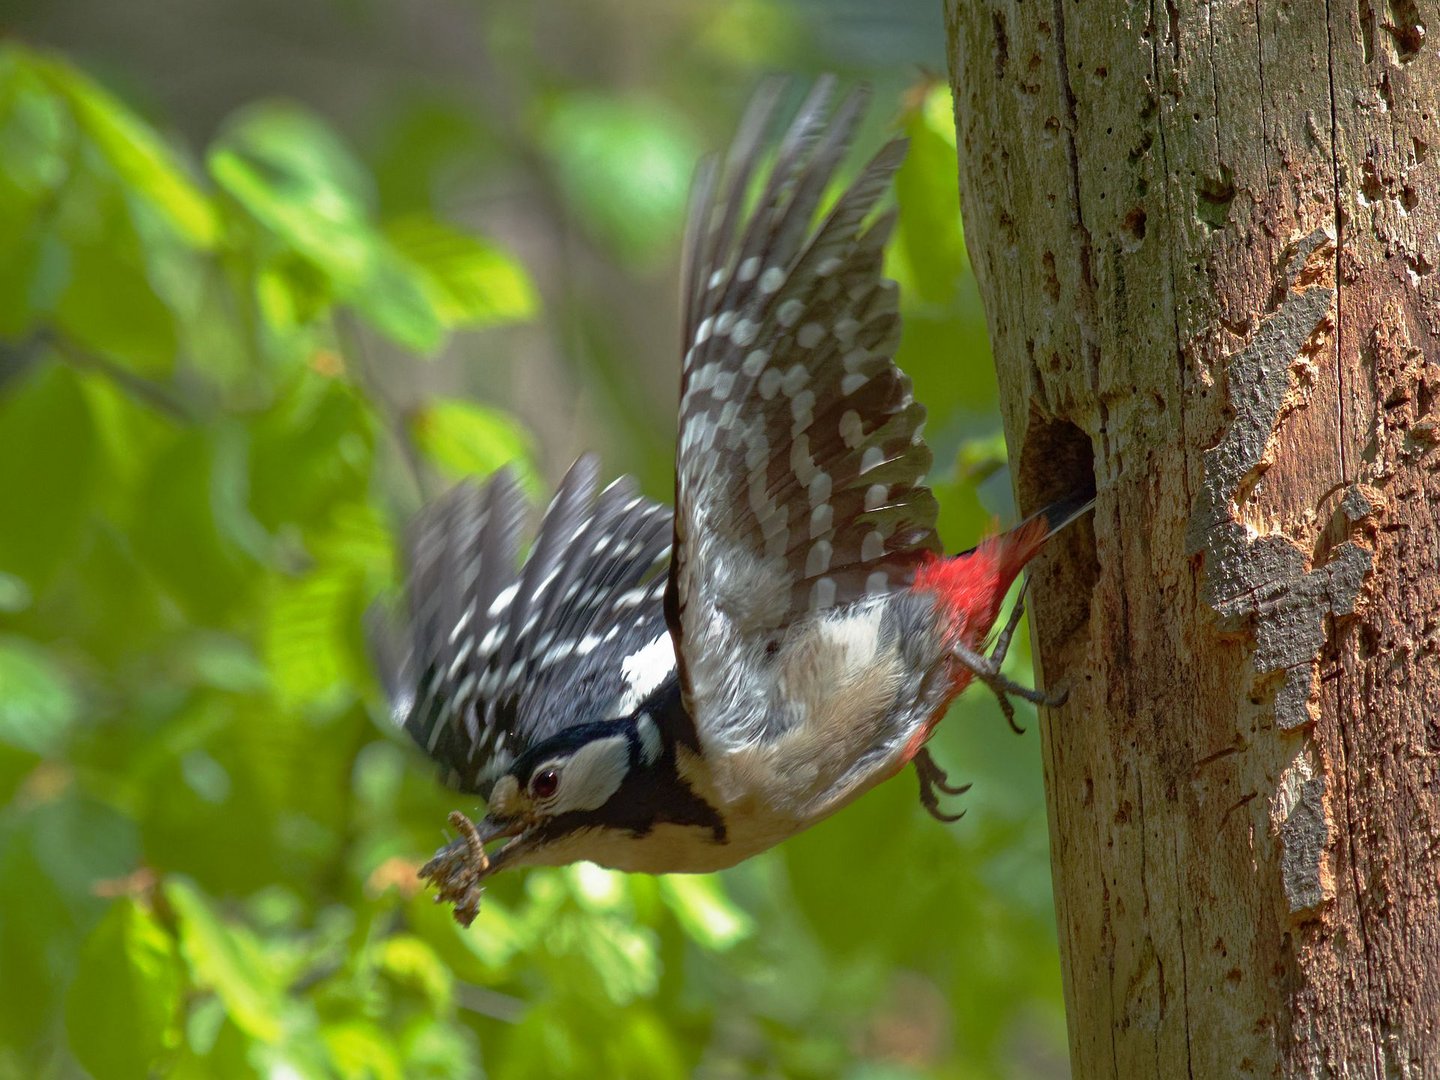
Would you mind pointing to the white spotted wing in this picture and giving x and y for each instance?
(800, 458)
(496, 656)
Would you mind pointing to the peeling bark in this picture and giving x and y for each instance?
(1207, 238)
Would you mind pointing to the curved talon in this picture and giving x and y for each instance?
(933, 778)
(986, 668)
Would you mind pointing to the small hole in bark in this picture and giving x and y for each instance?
(1367, 31)
(1405, 28)
(1214, 196)
(1051, 283)
(1369, 640)
(1370, 187)
(1058, 461)
(1002, 44)
(1134, 223)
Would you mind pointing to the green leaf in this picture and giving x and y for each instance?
(37, 703)
(176, 527)
(48, 466)
(466, 439)
(706, 913)
(290, 171)
(357, 1050)
(35, 133)
(15, 595)
(392, 296)
(110, 306)
(295, 177)
(473, 283)
(123, 1009)
(411, 962)
(625, 167)
(227, 959)
(221, 661)
(621, 957)
(139, 157)
(926, 189)
(307, 633)
(80, 841)
(312, 630)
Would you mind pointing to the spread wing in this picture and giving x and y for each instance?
(494, 656)
(800, 457)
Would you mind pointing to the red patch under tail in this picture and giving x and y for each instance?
(972, 586)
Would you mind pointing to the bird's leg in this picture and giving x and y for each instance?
(932, 779)
(457, 868)
(987, 668)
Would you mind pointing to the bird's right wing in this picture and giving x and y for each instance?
(799, 464)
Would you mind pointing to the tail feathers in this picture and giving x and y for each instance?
(1011, 550)
(1062, 512)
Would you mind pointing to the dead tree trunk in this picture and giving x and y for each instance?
(1206, 235)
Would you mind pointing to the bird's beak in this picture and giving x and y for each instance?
(490, 829)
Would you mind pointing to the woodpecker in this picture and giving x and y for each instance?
(657, 690)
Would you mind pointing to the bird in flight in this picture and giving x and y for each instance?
(668, 690)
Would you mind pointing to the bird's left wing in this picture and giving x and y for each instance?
(496, 656)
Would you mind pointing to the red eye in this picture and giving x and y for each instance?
(544, 783)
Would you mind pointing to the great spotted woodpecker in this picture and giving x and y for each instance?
(676, 691)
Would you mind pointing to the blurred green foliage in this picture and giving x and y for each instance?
(209, 836)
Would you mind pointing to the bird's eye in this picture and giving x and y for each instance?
(544, 783)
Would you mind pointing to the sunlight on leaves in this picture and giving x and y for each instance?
(123, 1008)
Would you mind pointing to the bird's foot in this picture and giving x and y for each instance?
(933, 780)
(986, 668)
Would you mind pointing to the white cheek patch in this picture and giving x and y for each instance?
(644, 671)
(650, 744)
(591, 775)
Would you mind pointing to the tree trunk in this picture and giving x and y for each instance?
(1206, 237)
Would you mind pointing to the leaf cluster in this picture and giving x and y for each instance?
(208, 833)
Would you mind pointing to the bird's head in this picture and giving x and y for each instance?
(583, 779)
(592, 791)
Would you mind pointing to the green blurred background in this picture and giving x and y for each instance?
(270, 273)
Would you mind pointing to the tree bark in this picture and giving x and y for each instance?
(1206, 236)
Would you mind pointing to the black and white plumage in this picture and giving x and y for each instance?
(798, 475)
(498, 658)
(675, 692)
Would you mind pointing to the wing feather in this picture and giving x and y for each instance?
(495, 655)
(800, 459)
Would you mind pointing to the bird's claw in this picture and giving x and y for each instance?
(986, 668)
(457, 869)
(933, 779)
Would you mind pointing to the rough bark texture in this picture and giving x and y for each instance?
(1206, 236)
